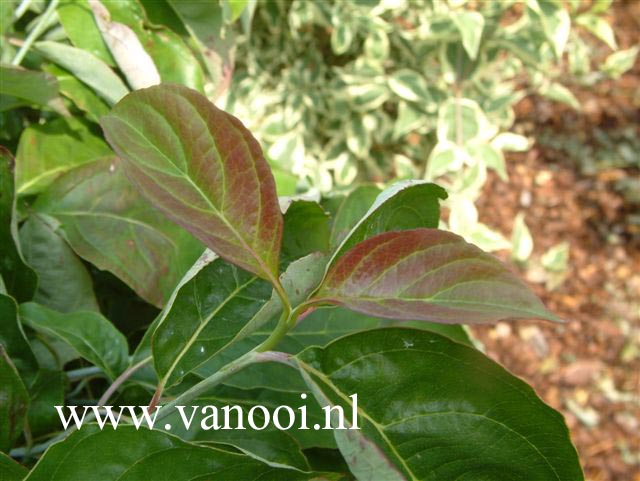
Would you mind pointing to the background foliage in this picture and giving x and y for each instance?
(339, 93)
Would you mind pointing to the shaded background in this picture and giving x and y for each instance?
(580, 184)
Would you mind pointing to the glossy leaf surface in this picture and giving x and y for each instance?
(89, 333)
(350, 210)
(430, 275)
(130, 455)
(432, 409)
(203, 169)
(107, 222)
(216, 307)
(403, 206)
(205, 316)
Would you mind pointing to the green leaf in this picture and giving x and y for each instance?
(492, 157)
(13, 340)
(350, 210)
(64, 282)
(233, 9)
(324, 325)
(207, 313)
(470, 25)
(599, 27)
(620, 62)
(80, 94)
(46, 391)
(204, 170)
(368, 96)
(409, 119)
(48, 150)
(556, 258)
(429, 275)
(173, 59)
(127, 454)
(10, 470)
(217, 305)
(275, 447)
(560, 93)
(14, 402)
(446, 157)
(405, 205)
(555, 20)
(420, 421)
(89, 333)
(86, 67)
(32, 87)
(107, 222)
(342, 37)
(409, 85)
(376, 46)
(205, 23)
(17, 277)
(521, 240)
(126, 48)
(306, 230)
(80, 26)
(461, 121)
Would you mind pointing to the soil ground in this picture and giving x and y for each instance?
(589, 367)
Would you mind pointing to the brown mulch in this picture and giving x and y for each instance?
(588, 368)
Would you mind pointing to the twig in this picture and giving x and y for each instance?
(40, 448)
(35, 33)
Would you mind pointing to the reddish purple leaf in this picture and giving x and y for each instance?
(430, 275)
(203, 169)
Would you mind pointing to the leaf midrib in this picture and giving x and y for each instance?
(207, 200)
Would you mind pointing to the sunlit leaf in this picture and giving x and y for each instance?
(126, 48)
(80, 26)
(88, 68)
(521, 240)
(48, 150)
(409, 85)
(431, 275)
(79, 93)
(555, 20)
(204, 170)
(470, 26)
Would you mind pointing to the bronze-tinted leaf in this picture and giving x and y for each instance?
(430, 275)
(203, 169)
